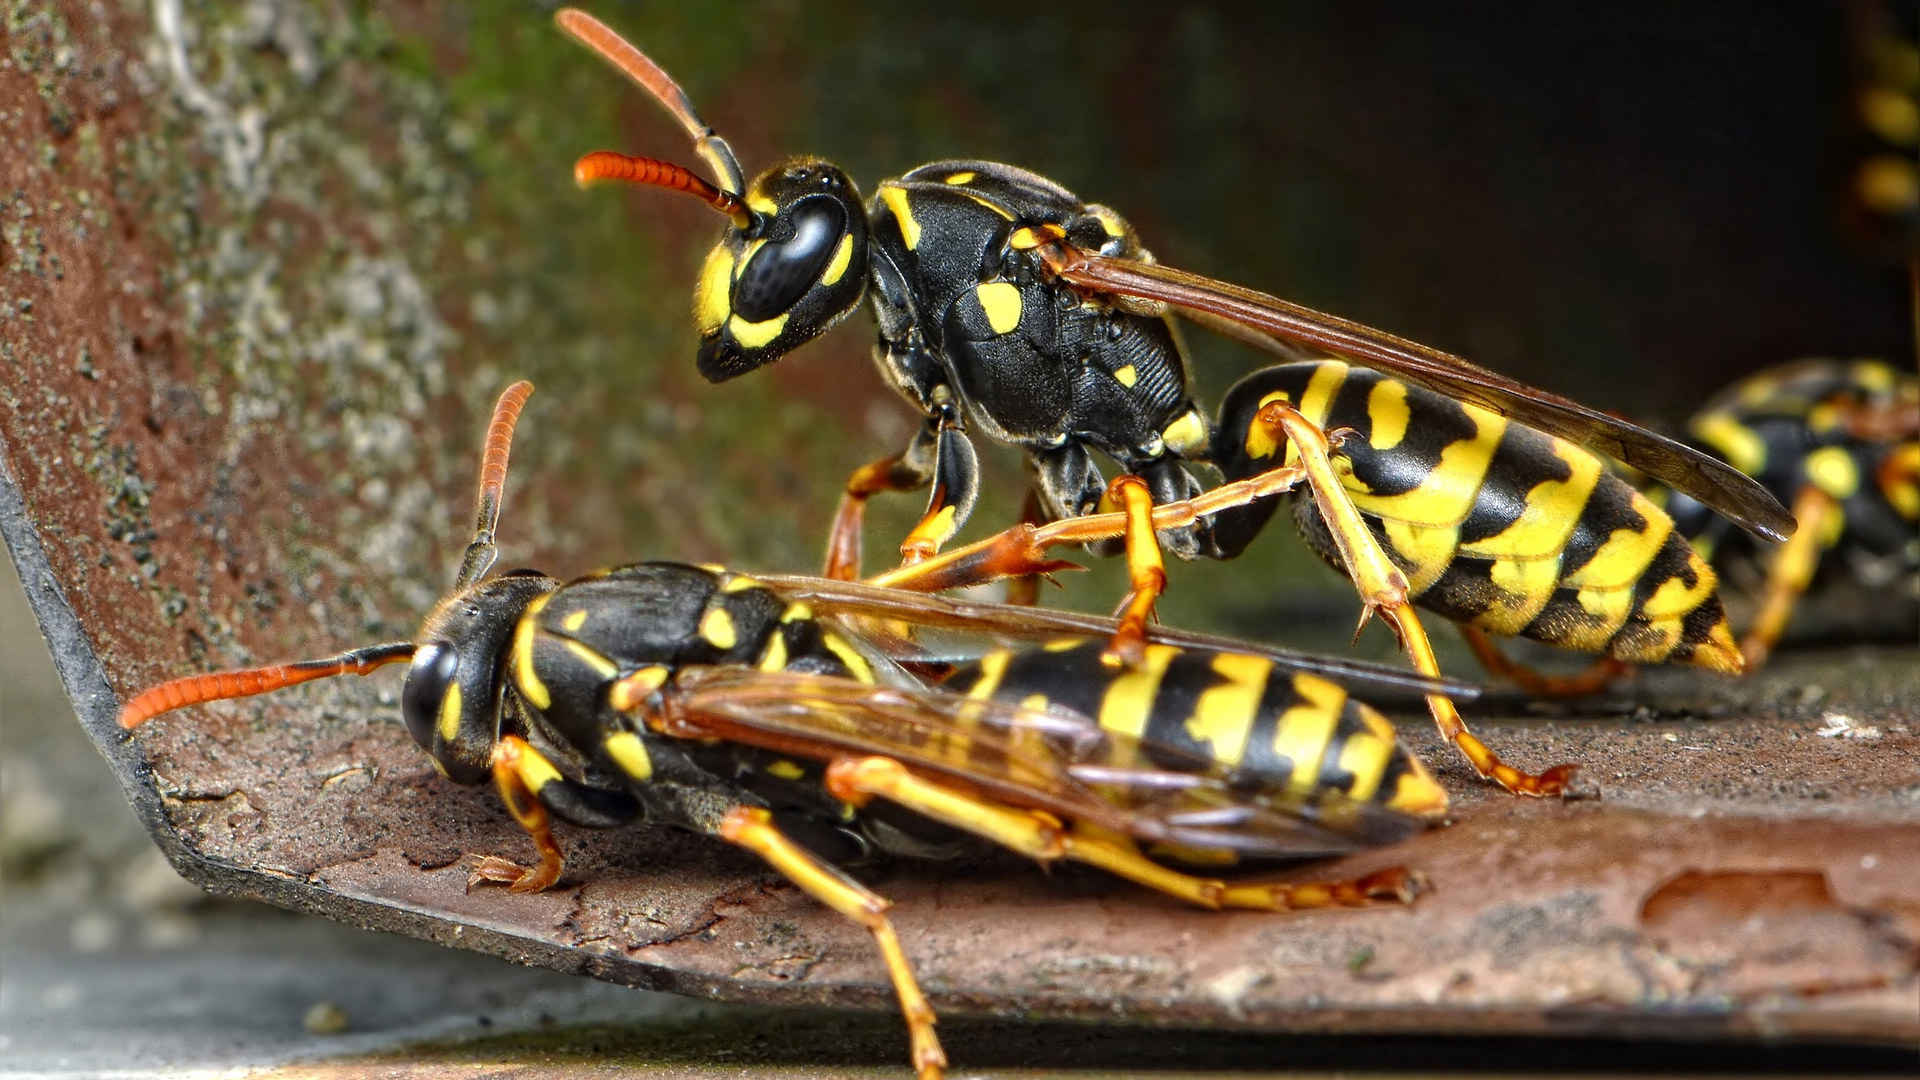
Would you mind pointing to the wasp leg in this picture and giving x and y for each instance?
(1383, 590)
(1022, 549)
(907, 470)
(1025, 589)
(1789, 573)
(956, 487)
(753, 829)
(1601, 674)
(1042, 837)
(519, 772)
(1146, 573)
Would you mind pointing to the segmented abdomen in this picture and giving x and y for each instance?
(1495, 524)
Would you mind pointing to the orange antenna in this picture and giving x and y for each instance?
(247, 682)
(652, 172)
(493, 480)
(637, 66)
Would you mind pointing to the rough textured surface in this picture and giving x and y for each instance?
(264, 263)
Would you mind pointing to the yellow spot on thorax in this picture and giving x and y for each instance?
(450, 713)
(1128, 703)
(1328, 376)
(575, 620)
(1001, 301)
(1739, 444)
(1262, 443)
(594, 659)
(738, 583)
(525, 677)
(992, 668)
(1303, 732)
(857, 665)
(629, 691)
(629, 755)
(786, 770)
(1127, 376)
(796, 613)
(1834, 471)
(895, 197)
(1223, 714)
(774, 656)
(1187, 434)
(717, 628)
(965, 176)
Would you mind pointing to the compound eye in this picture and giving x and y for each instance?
(782, 271)
(428, 677)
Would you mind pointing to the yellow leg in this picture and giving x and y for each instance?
(753, 829)
(1042, 837)
(518, 772)
(1789, 574)
(1146, 572)
(1603, 673)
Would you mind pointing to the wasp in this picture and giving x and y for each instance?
(1007, 305)
(1839, 441)
(758, 710)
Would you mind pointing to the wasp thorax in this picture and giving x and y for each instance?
(796, 268)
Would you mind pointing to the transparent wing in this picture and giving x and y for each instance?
(1048, 759)
(1272, 323)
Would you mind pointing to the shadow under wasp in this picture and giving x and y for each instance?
(765, 709)
(1006, 305)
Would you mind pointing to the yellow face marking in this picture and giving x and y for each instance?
(857, 665)
(1261, 443)
(739, 583)
(774, 657)
(1302, 734)
(753, 335)
(1001, 301)
(796, 613)
(626, 694)
(964, 176)
(524, 676)
(1738, 443)
(1387, 408)
(786, 770)
(842, 256)
(758, 201)
(1551, 513)
(629, 755)
(1834, 471)
(895, 197)
(576, 620)
(594, 659)
(713, 293)
(1186, 434)
(1364, 755)
(1223, 714)
(1127, 375)
(450, 713)
(1128, 703)
(717, 628)
(1110, 222)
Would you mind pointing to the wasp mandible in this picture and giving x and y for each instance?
(1007, 305)
(758, 711)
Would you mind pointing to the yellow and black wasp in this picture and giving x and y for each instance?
(759, 711)
(1007, 305)
(1837, 440)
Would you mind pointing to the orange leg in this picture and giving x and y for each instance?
(1146, 573)
(844, 538)
(753, 829)
(519, 771)
(1042, 837)
(1789, 573)
(1603, 673)
(1025, 589)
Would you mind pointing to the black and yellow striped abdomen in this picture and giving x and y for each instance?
(1494, 524)
(1295, 740)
